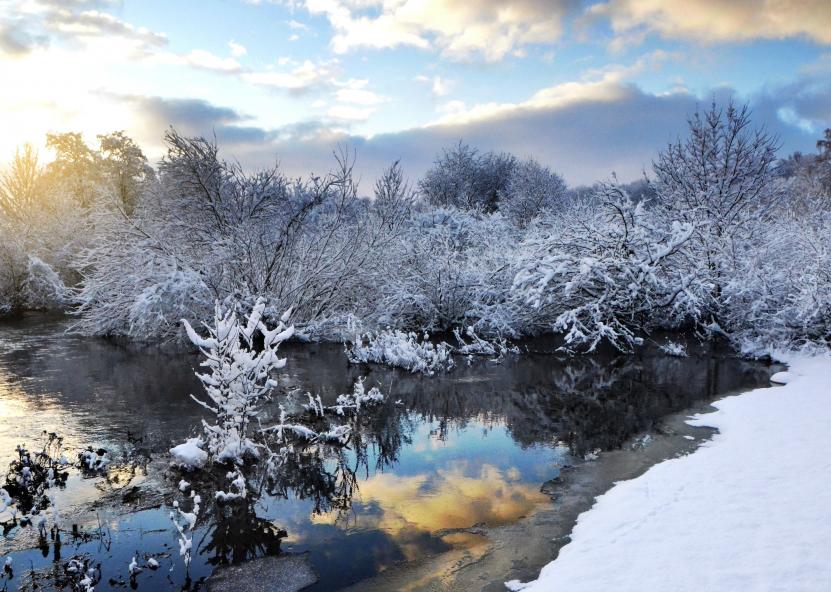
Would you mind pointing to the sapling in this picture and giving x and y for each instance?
(239, 378)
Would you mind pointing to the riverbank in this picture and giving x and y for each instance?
(747, 511)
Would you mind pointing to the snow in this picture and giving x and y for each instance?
(133, 568)
(190, 454)
(747, 511)
(781, 378)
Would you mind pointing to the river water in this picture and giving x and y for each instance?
(423, 490)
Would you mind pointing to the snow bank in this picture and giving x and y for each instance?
(781, 378)
(747, 511)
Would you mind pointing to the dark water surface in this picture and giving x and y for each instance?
(443, 454)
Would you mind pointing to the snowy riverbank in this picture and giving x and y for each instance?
(747, 511)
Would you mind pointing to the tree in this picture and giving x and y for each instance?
(720, 180)
(76, 166)
(126, 166)
(20, 183)
(393, 197)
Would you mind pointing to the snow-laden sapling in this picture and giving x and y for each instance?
(238, 379)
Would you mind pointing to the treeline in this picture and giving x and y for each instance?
(722, 236)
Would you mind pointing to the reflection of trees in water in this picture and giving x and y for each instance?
(235, 533)
(586, 402)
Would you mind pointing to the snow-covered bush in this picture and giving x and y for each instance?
(672, 348)
(606, 271)
(41, 231)
(780, 294)
(472, 345)
(131, 253)
(464, 178)
(449, 268)
(399, 348)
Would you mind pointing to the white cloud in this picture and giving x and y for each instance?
(460, 29)
(237, 50)
(28, 24)
(297, 26)
(301, 77)
(439, 86)
(713, 21)
(452, 108)
(354, 91)
(349, 113)
(600, 85)
(207, 61)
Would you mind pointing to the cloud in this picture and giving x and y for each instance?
(237, 50)
(460, 29)
(297, 26)
(716, 21)
(205, 60)
(584, 129)
(191, 117)
(349, 113)
(458, 498)
(439, 86)
(302, 76)
(25, 25)
(354, 91)
(16, 41)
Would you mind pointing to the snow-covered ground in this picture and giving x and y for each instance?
(749, 510)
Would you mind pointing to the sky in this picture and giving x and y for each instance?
(588, 88)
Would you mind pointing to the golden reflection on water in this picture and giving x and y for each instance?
(448, 499)
(444, 504)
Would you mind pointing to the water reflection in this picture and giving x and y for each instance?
(440, 456)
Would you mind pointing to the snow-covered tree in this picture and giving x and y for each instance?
(532, 190)
(463, 177)
(720, 180)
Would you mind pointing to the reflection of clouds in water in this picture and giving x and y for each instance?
(447, 499)
(432, 443)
